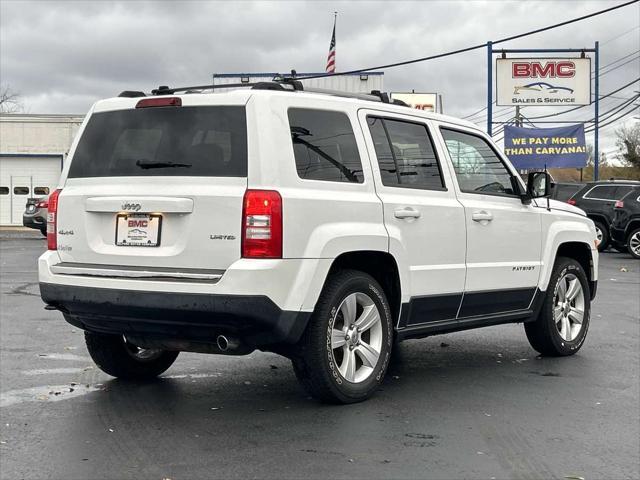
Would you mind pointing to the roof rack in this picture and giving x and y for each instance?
(280, 83)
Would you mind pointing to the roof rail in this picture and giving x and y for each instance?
(164, 90)
(284, 83)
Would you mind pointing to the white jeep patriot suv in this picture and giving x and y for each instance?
(323, 227)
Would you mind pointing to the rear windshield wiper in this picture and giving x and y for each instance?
(149, 164)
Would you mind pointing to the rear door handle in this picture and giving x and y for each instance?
(481, 216)
(406, 212)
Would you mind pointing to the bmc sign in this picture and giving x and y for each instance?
(543, 81)
(422, 101)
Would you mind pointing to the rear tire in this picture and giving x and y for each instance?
(344, 353)
(602, 234)
(118, 358)
(619, 247)
(563, 322)
(633, 243)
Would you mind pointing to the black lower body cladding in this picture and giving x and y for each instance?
(197, 317)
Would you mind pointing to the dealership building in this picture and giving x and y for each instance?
(33, 147)
(32, 151)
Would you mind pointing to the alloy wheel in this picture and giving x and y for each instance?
(568, 307)
(634, 243)
(599, 234)
(356, 337)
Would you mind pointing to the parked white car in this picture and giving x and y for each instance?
(321, 227)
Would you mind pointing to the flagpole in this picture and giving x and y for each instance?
(335, 21)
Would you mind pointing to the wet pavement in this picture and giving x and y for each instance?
(476, 404)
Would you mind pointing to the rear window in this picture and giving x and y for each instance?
(602, 192)
(164, 141)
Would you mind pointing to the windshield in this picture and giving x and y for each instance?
(166, 141)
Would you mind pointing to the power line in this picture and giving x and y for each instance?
(474, 47)
(483, 117)
(617, 60)
(618, 66)
(582, 106)
(625, 114)
(621, 35)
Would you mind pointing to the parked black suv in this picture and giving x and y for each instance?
(564, 191)
(625, 228)
(597, 199)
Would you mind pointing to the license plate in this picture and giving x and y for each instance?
(138, 230)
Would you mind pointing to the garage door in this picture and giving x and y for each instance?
(24, 177)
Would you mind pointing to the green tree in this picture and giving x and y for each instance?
(628, 144)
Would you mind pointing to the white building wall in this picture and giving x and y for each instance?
(32, 134)
(344, 83)
(32, 149)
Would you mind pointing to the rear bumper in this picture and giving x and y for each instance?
(33, 221)
(257, 320)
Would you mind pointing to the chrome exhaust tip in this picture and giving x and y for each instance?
(223, 343)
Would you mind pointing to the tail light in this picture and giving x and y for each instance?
(160, 102)
(619, 204)
(42, 204)
(262, 224)
(571, 201)
(52, 220)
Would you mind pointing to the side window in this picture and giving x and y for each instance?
(477, 166)
(602, 192)
(324, 146)
(622, 190)
(405, 154)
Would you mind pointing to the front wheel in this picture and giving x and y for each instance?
(602, 234)
(633, 243)
(345, 350)
(562, 325)
(119, 358)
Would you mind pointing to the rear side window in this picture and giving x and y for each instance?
(405, 154)
(324, 146)
(164, 141)
(602, 192)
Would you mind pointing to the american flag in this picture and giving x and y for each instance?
(331, 58)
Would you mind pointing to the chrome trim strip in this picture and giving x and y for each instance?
(136, 272)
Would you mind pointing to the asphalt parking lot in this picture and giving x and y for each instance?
(478, 404)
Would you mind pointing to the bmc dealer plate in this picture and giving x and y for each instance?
(138, 230)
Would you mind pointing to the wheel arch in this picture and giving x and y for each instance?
(382, 266)
(632, 225)
(598, 217)
(582, 253)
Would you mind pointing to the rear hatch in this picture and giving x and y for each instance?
(159, 187)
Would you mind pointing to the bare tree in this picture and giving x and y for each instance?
(628, 144)
(9, 100)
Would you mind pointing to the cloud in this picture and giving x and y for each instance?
(62, 56)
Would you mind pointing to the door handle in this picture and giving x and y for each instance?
(481, 216)
(406, 212)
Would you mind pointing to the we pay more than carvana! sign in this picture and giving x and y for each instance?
(530, 148)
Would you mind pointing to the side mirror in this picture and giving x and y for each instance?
(538, 185)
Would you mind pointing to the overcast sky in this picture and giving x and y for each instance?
(62, 56)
